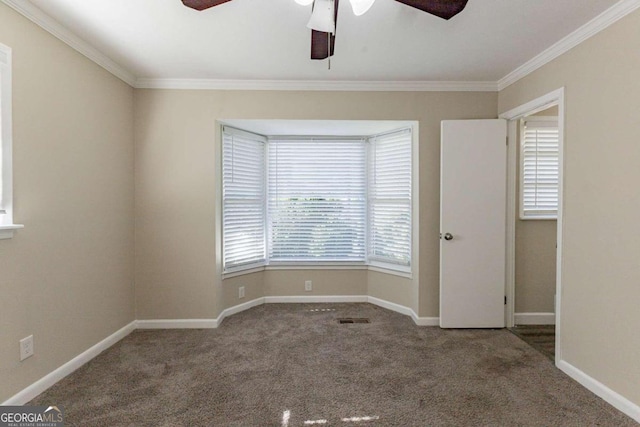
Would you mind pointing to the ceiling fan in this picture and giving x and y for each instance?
(325, 15)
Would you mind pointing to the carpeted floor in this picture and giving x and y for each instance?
(540, 337)
(294, 365)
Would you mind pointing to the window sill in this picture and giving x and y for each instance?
(325, 266)
(6, 231)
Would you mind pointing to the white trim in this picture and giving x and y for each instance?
(535, 318)
(53, 377)
(614, 399)
(539, 104)
(319, 85)
(315, 299)
(316, 266)
(237, 273)
(238, 308)
(391, 306)
(37, 16)
(177, 324)
(419, 321)
(425, 321)
(6, 231)
(591, 28)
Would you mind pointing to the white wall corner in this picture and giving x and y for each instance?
(616, 400)
(535, 318)
(53, 377)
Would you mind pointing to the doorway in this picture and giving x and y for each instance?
(533, 232)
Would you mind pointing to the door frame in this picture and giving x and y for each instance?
(513, 116)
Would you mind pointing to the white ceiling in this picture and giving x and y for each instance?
(268, 39)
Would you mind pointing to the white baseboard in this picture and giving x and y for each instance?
(614, 399)
(316, 299)
(50, 379)
(177, 324)
(535, 318)
(391, 306)
(238, 308)
(425, 321)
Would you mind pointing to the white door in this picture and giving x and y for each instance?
(473, 223)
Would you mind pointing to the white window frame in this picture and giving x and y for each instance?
(243, 268)
(528, 215)
(7, 227)
(380, 262)
(409, 272)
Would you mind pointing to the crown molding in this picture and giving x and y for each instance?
(318, 85)
(591, 28)
(37, 16)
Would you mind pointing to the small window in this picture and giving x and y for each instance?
(539, 168)
(6, 186)
(243, 199)
(390, 198)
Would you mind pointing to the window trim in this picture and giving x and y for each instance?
(409, 272)
(7, 227)
(522, 215)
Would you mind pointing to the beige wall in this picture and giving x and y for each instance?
(325, 282)
(67, 277)
(601, 254)
(535, 255)
(175, 132)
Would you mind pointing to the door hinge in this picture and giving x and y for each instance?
(507, 140)
(505, 300)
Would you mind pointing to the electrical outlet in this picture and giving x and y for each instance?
(26, 347)
(308, 285)
(241, 292)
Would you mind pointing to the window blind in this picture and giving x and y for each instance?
(390, 198)
(539, 169)
(317, 207)
(243, 187)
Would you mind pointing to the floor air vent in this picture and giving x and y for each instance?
(344, 320)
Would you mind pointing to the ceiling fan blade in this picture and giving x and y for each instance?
(320, 44)
(202, 4)
(323, 44)
(445, 9)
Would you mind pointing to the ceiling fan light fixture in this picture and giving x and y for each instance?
(304, 2)
(360, 7)
(323, 16)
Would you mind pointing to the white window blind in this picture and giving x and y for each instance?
(539, 168)
(243, 200)
(317, 192)
(390, 198)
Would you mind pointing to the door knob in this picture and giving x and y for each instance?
(448, 236)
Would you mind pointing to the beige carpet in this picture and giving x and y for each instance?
(294, 365)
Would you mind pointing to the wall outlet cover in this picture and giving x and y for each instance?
(26, 347)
